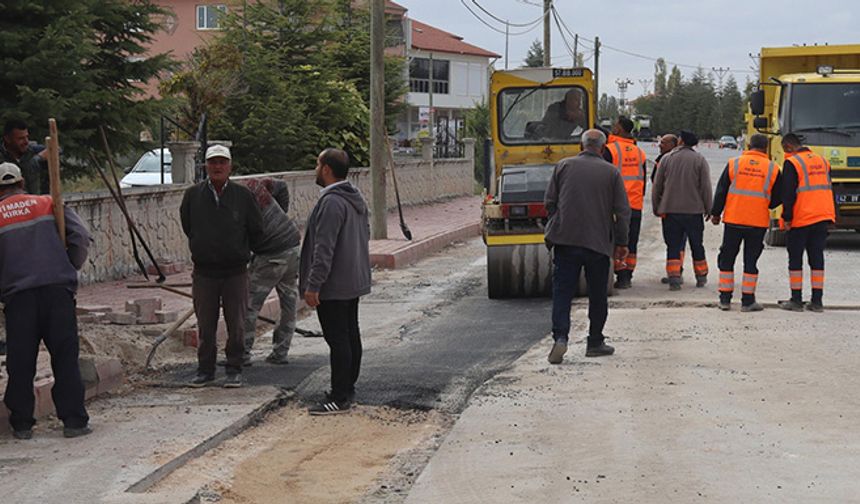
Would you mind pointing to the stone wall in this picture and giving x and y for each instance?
(155, 211)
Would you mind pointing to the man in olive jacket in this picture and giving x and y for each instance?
(223, 224)
(334, 273)
(589, 222)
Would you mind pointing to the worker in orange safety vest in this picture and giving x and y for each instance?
(748, 188)
(808, 211)
(621, 150)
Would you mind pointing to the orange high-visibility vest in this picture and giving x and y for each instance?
(752, 176)
(629, 158)
(814, 192)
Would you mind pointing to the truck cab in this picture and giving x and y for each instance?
(815, 93)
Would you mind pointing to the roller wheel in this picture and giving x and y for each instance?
(517, 271)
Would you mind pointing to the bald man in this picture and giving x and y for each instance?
(563, 118)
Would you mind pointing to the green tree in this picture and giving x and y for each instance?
(732, 104)
(607, 107)
(477, 126)
(285, 80)
(350, 53)
(534, 57)
(82, 62)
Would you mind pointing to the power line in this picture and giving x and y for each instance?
(500, 20)
(494, 28)
(563, 38)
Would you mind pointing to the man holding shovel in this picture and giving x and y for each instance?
(38, 280)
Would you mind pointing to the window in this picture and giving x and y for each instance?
(542, 115)
(419, 76)
(209, 16)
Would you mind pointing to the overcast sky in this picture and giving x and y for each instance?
(691, 32)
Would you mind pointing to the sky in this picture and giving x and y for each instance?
(693, 32)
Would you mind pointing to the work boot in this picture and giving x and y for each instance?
(599, 350)
(233, 380)
(665, 280)
(274, 358)
(674, 283)
(23, 434)
(701, 281)
(73, 432)
(815, 307)
(623, 283)
(556, 355)
(791, 305)
(725, 305)
(201, 380)
(753, 307)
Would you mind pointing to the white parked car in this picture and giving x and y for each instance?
(147, 170)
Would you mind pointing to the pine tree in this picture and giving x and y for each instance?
(82, 62)
(534, 57)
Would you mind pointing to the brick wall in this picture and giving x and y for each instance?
(155, 211)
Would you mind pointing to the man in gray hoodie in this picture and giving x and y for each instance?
(334, 273)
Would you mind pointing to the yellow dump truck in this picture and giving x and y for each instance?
(537, 118)
(813, 91)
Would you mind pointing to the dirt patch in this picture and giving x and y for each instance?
(310, 459)
(131, 344)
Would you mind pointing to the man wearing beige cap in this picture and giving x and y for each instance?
(223, 224)
(38, 280)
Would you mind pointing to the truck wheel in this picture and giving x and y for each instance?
(515, 271)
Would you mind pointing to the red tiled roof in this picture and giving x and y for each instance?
(428, 38)
(393, 7)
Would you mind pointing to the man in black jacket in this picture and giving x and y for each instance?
(223, 224)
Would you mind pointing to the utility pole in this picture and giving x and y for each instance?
(596, 72)
(431, 114)
(576, 50)
(379, 226)
(720, 71)
(507, 41)
(646, 85)
(622, 91)
(547, 27)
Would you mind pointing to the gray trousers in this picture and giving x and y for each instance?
(210, 295)
(279, 272)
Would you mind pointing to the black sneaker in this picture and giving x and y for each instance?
(329, 408)
(599, 351)
(233, 380)
(791, 305)
(73, 432)
(23, 434)
(201, 380)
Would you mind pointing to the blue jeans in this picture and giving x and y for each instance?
(568, 262)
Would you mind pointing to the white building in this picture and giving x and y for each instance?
(460, 80)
